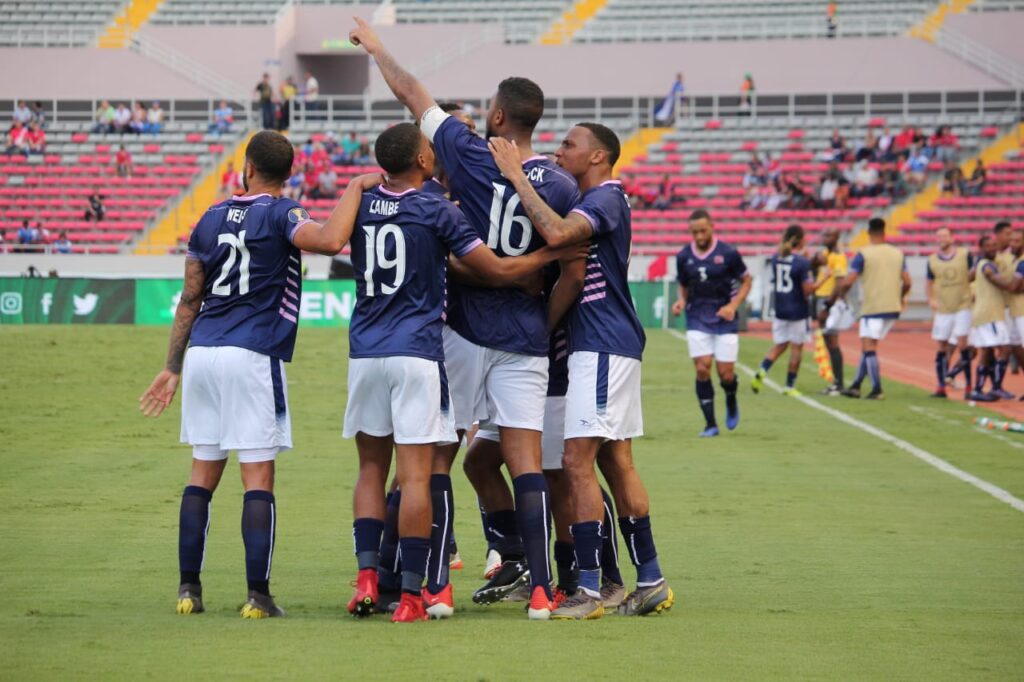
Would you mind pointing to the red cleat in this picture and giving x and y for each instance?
(410, 609)
(363, 600)
(540, 607)
(558, 596)
(440, 605)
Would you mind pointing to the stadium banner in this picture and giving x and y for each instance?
(653, 302)
(72, 300)
(325, 303)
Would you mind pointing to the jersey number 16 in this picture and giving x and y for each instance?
(501, 228)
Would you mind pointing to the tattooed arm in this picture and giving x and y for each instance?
(406, 88)
(161, 392)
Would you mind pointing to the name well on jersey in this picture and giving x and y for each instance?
(236, 214)
(384, 207)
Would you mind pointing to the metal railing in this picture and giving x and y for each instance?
(741, 29)
(979, 55)
(186, 67)
(50, 36)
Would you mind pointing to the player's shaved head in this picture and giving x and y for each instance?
(397, 147)
(876, 226)
(270, 155)
(520, 102)
(605, 139)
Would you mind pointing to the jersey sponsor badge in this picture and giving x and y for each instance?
(718, 260)
(297, 215)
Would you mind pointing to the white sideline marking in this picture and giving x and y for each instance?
(923, 455)
(978, 429)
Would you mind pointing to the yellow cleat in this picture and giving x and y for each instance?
(792, 393)
(190, 599)
(261, 606)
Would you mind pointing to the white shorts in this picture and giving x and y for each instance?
(495, 387)
(991, 335)
(876, 328)
(791, 331)
(725, 347)
(840, 317)
(234, 399)
(950, 327)
(553, 438)
(399, 395)
(604, 397)
(1018, 327)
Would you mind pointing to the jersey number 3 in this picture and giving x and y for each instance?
(377, 258)
(222, 287)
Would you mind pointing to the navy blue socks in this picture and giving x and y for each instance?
(440, 531)
(533, 509)
(259, 518)
(587, 540)
(193, 526)
(640, 542)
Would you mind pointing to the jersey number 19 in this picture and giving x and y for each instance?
(377, 258)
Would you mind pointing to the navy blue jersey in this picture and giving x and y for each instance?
(253, 286)
(432, 186)
(789, 274)
(504, 319)
(711, 280)
(558, 364)
(604, 319)
(400, 254)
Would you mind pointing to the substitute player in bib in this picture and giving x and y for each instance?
(991, 333)
(949, 296)
(713, 283)
(885, 282)
(397, 385)
(497, 339)
(792, 282)
(833, 268)
(237, 316)
(606, 342)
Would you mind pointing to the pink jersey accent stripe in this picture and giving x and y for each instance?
(595, 285)
(711, 247)
(250, 198)
(291, 281)
(291, 235)
(289, 305)
(472, 245)
(593, 297)
(395, 194)
(292, 294)
(597, 274)
(286, 315)
(590, 218)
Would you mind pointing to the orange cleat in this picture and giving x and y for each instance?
(540, 607)
(362, 602)
(410, 609)
(440, 605)
(558, 596)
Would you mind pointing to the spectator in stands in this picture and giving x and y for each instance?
(664, 112)
(831, 20)
(63, 244)
(36, 138)
(295, 184)
(95, 210)
(38, 114)
(138, 124)
(311, 178)
(884, 149)
(312, 94)
(104, 118)
(755, 175)
(123, 161)
(230, 183)
(288, 93)
(350, 148)
(27, 236)
(837, 146)
(17, 139)
(319, 157)
(904, 141)
(22, 113)
(122, 119)
(944, 144)
(330, 144)
(223, 117)
(975, 186)
(154, 119)
(915, 169)
(868, 149)
(828, 188)
(865, 181)
(364, 156)
(265, 94)
(326, 184)
(663, 198)
(300, 157)
(893, 183)
(747, 93)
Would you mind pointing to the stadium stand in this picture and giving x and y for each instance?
(66, 23)
(52, 189)
(175, 12)
(668, 20)
(996, 6)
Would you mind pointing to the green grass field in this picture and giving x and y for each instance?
(798, 547)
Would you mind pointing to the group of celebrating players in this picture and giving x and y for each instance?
(491, 294)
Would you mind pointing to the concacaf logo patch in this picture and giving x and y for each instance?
(298, 215)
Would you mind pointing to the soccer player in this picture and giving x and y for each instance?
(991, 334)
(1004, 261)
(792, 282)
(1014, 301)
(834, 269)
(497, 339)
(237, 317)
(606, 342)
(397, 385)
(949, 295)
(713, 283)
(885, 283)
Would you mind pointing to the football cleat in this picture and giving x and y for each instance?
(580, 606)
(875, 395)
(540, 606)
(364, 601)
(979, 397)
(261, 606)
(646, 600)
(831, 391)
(455, 562)
(507, 578)
(939, 393)
(190, 599)
(612, 594)
(850, 392)
(558, 596)
(757, 383)
(1004, 395)
(709, 432)
(732, 417)
(492, 564)
(792, 392)
(410, 609)
(440, 605)
(520, 594)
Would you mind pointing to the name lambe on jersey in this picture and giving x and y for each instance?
(385, 207)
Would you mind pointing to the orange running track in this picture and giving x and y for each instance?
(907, 355)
